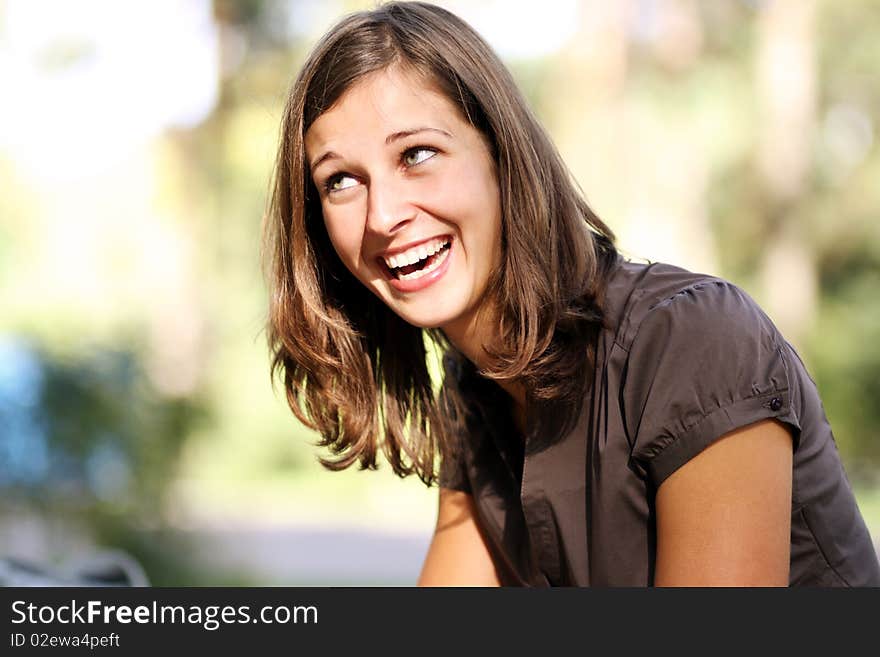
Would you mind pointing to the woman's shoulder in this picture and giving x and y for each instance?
(667, 297)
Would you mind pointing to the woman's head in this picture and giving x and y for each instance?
(354, 184)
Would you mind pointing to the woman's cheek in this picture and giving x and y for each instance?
(346, 242)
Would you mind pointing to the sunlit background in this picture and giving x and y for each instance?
(136, 142)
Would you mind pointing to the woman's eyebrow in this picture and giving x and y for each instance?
(329, 155)
(394, 136)
(390, 139)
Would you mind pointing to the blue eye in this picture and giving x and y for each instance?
(338, 182)
(417, 155)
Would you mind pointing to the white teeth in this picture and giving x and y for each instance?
(415, 254)
(427, 270)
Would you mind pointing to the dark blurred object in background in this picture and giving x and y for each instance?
(110, 568)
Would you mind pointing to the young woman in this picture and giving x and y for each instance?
(599, 422)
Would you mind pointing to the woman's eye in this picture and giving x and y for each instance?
(339, 182)
(418, 155)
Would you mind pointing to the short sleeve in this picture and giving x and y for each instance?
(700, 364)
(453, 473)
(453, 464)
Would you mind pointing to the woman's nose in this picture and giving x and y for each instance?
(388, 209)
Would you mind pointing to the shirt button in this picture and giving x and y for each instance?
(775, 404)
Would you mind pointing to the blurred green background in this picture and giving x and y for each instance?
(136, 143)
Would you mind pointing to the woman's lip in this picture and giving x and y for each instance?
(407, 247)
(417, 284)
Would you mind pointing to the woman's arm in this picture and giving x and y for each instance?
(724, 517)
(458, 555)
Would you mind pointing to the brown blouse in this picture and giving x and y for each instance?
(687, 358)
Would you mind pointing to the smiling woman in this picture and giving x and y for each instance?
(600, 422)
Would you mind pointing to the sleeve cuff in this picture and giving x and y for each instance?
(718, 423)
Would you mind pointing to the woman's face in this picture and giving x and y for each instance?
(410, 198)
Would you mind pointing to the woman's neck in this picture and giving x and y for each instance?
(470, 339)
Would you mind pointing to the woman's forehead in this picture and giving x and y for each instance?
(387, 101)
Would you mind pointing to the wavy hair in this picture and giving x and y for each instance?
(351, 368)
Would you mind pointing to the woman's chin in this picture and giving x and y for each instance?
(423, 322)
(428, 318)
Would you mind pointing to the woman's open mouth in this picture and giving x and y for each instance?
(419, 266)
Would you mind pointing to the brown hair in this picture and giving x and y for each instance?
(352, 369)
